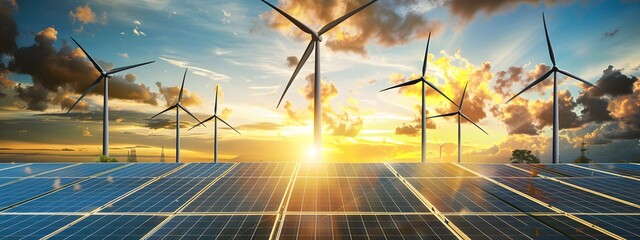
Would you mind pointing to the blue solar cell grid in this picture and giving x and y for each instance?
(83, 170)
(31, 169)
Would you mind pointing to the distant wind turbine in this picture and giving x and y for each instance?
(105, 107)
(460, 114)
(554, 70)
(215, 119)
(178, 106)
(422, 80)
(316, 38)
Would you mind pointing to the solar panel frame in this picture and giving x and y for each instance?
(560, 171)
(4, 166)
(495, 170)
(145, 170)
(625, 189)
(321, 169)
(618, 168)
(261, 169)
(216, 227)
(28, 188)
(32, 169)
(418, 170)
(111, 227)
(201, 170)
(83, 170)
(623, 225)
(32, 226)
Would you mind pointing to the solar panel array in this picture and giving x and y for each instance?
(319, 200)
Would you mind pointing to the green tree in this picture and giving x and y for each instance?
(523, 156)
(103, 158)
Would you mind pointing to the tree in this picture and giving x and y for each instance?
(103, 158)
(523, 156)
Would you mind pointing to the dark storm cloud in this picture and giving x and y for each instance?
(614, 83)
(8, 29)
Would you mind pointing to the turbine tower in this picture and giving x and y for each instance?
(460, 114)
(215, 119)
(422, 80)
(316, 38)
(105, 107)
(178, 106)
(556, 121)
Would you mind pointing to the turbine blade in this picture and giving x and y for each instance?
(182, 87)
(553, 57)
(442, 115)
(464, 92)
(163, 111)
(465, 117)
(120, 69)
(579, 79)
(202, 123)
(300, 25)
(93, 85)
(225, 123)
(441, 93)
(341, 19)
(95, 64)
(215, 104)
(190, 114)
(403, 84)
(426, 53)
(303, 60)
(543, 77)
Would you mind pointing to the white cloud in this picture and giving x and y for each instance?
(136, 28)
(197, 70)
(220, 51)
(123, 55)
(265, 90)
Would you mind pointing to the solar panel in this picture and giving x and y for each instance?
(81, 197)
(618, 168)
(31, 226)
(111, 227)
(572, 228)
(624, 225)
(519, 202)
(496, 170)
(31, 169)
(205, 170)
(565, 197)
(9, 165)
(83, 170)
(625, 189)
(555, 170)
(28, 188)
(232, 194)
(144, 170)
(164, 195)
(344, 170)
(4, 181)
(364, 227)
(353, 195)
(430, 170)
(217, 227)
(262, 170)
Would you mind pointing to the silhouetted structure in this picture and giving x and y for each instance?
(131, 155)
(162, 155)
(583, 158)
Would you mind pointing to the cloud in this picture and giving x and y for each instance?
(611, 34)
(197, 70)
(265, 90)
(9, 29)
(466, 11)
(385, 23)
(263, 126)
(171, 94)
(614, 83)
(123, 55)
(86, 132)
(225, 113)
(136, 28)
(292, 61)
(163, 123)
(414, 127)
(517, 118)
(85, 15)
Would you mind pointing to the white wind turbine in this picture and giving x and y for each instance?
(215, 119)
(316, 38)
(105, 107)
(178, 106)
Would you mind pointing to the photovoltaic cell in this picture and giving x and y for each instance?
(556, 170)
(618, 168)
(144, 170)
(7, 180)
(572, 228)
(567, 198)
(516, 201)
(353, 195)
(217, 227)
(204, 170)
(9, 165)
(83, 170)
(111, 227)
(521, 227)
(241, 195)
(625, 189)
(623, 225)
(364, 227)
(31, 169)
(496, 170)
(344, 170)
(262, 170)
(81, 197)
(430, 170)
(28, 188)
(31, 226)
(164, 195)
(459, 195)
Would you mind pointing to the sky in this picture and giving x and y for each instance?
(250, 51)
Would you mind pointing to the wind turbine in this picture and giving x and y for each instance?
(316, 38)
(422, 80)
(178, 106)
(105, 107)
(460, 114)
(215, 119)
(554, 70)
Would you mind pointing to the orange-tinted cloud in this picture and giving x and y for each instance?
(171, 94)
(467, 10)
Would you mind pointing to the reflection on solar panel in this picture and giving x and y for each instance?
(318, 200)
(9, 165)
(31, 226)
(364, 227)
(622, 169)
(623, 225)
(241, 195)
(217, 227)
(111, 226)
(81, 197)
